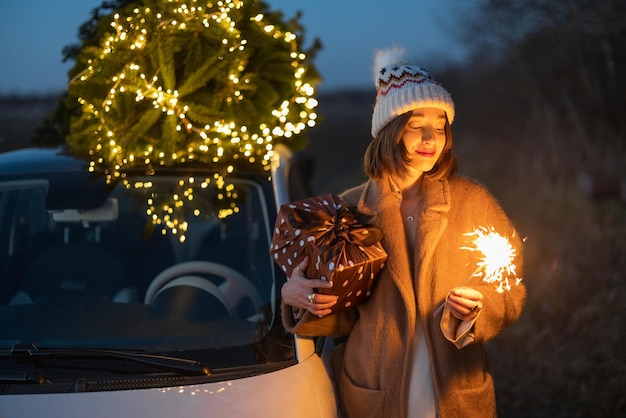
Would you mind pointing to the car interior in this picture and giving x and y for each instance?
(60, 261)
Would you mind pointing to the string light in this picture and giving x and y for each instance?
(165, 106)
(171, 207)
(179, 82)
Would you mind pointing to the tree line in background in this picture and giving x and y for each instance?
(551, 74)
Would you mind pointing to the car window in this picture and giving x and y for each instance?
(157, 263)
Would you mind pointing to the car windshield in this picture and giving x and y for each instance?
(160, 264)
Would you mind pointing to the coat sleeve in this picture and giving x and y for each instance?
(458, 332)
(302, 322)
(500, 309)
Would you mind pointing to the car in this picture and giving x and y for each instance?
(152, 295)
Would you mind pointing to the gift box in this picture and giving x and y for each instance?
(340, 246)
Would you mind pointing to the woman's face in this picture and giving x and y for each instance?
(424, 137)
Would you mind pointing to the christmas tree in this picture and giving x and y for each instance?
(167, 82)
(164, 82)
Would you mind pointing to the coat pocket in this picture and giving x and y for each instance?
(477, 401)
(357, 401)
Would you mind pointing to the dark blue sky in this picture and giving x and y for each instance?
(34, 32)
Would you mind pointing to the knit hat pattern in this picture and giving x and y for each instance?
(401, 87)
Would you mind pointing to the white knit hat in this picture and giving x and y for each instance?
(401, 87)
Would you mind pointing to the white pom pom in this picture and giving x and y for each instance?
(386, 57)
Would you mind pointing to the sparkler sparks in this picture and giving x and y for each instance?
(495, 263)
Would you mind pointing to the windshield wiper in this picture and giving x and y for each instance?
(30, 352)
(29, 376)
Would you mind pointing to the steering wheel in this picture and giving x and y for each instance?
(235, 288)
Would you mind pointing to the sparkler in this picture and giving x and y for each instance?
(495, 264)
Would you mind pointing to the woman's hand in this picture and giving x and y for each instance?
(299, 292)
(464, 303)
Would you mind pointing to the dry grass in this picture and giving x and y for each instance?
(564, 358)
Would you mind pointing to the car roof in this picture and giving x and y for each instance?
(69, 174)
(39, 160)
(27, 161)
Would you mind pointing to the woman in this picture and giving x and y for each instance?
(403, 356)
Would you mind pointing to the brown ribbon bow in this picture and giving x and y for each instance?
(345, 225)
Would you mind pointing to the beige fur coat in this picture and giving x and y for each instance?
(373, 366)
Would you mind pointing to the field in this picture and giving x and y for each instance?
(564, 358)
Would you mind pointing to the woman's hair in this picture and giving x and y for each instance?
(386, 154)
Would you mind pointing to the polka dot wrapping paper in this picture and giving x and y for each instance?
(340, 246)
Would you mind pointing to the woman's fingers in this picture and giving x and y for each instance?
(463, 308)
(298, 271)
(301, 292)
(464, 302)
(320, 300)
(319, 303)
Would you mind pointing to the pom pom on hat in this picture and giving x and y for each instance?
(401, 87)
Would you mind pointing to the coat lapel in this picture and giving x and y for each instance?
(383, 205)
(433, 223)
